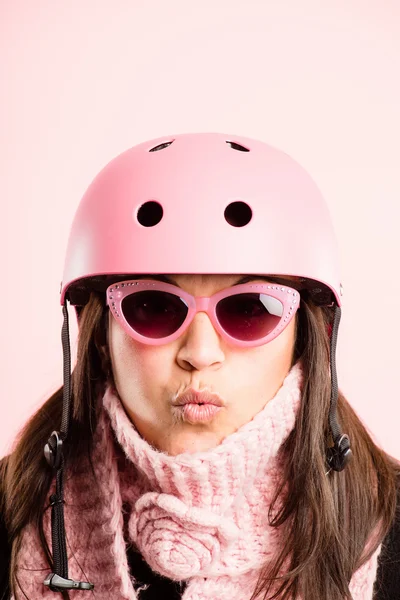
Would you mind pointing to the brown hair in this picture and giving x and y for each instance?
(327, 520)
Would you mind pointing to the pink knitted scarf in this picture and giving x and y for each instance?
(197, 517)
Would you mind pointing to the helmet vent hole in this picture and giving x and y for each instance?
(150, 213)
(161, 146)
(236, 146)
(238, 214)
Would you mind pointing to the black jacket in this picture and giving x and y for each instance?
(387, 584)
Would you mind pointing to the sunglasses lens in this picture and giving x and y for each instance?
(154, 314)
(249, 317)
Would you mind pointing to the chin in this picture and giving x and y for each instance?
(190, 443)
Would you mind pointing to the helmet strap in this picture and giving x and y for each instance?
(340, 453)
(58, 581)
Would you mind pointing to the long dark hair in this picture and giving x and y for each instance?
(326, 519)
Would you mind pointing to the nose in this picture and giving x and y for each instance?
(200, 345)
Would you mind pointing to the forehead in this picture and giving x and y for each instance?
(207, 279)
(208, 284)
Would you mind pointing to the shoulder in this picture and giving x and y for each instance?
(3, 466)
(5, 550)
(387, 582)
(3, 463)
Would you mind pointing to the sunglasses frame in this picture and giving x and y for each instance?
(289, 297)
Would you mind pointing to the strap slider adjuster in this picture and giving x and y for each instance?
(53, 450)
(340, 454)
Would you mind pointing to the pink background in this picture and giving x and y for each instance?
(84, 80)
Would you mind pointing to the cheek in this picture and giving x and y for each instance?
(283, 345)
(268, 367)
(135, 364)
(263, 367)
(271, 362)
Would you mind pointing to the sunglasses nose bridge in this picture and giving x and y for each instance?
(202, 304)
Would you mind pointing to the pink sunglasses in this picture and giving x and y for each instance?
(155, 313)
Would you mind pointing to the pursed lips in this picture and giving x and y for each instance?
(193, 397)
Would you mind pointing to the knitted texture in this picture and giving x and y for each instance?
(199, 517)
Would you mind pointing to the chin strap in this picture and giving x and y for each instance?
(339, 455)
(53, 451)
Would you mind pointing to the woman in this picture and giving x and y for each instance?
(201, 451)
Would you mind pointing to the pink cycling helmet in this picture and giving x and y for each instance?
(206, 203)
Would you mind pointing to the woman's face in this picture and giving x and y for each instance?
(149, 378)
